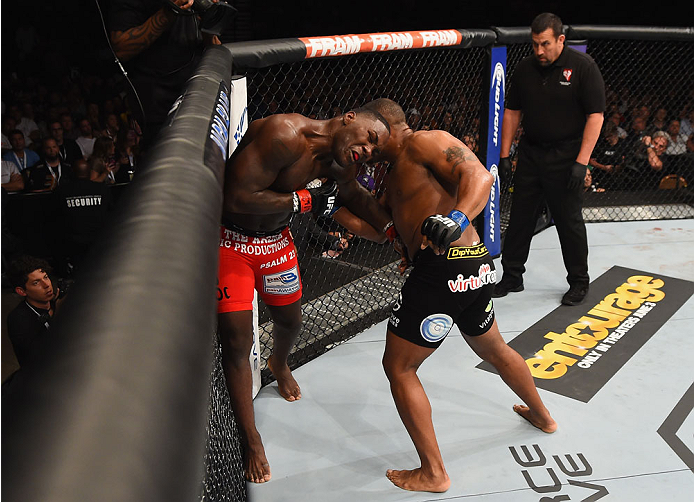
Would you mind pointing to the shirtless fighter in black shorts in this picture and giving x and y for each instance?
(436, 185)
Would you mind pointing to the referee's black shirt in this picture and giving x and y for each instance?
(556, 99)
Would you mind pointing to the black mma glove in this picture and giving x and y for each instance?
(577, 176)
(442, 230)
(505, 169)
(319, 201)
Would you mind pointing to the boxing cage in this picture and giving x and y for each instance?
(128, 400)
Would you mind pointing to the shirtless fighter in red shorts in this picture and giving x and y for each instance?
(264, 186)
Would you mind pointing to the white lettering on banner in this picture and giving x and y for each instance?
(494, 170)
(331, 46)
(219, 129)
(485, 276)
(391, 41)
(498, 83)
(436, 38)
(238, 134)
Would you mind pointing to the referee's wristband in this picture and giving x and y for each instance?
(460, 219)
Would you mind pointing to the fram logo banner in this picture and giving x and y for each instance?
(574, 351)
(378, 42)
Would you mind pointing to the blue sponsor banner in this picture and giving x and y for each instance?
(497, 88)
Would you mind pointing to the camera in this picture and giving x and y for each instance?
(213, 16)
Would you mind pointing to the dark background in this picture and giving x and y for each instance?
(72, 35)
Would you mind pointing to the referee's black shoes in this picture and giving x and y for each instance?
(575, 295)
(506, 286)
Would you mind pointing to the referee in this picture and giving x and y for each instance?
(560, 95)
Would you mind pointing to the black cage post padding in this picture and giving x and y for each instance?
(521, 34)
(115, 408)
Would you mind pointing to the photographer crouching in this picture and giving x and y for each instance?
(161, 43)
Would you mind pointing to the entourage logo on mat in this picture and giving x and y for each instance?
(550, 483)
(574, 351)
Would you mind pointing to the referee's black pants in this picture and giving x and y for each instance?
(542, 174)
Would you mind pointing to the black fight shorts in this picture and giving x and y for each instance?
(442, 290)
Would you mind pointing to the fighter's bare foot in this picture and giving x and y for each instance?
(256, 467)
(547, 425)
(287, 386)
(417, 481)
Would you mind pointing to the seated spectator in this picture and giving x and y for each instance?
(8, 124)
(636, 157)
(19, 155)
(69, 150)
(29, 322)
(687, 123)
(45, 175)
(25, 123)
(616, 118)
(12, 180)
(128, 154)
(588, 185)
(112, 126)
(414, 119)
(83, 208)
(94, 118)
(607, 157)
(69, 130)
(470, 141)
(86, 138)
(677, 141)
(103, 161)
(659, 121)
(657, 160)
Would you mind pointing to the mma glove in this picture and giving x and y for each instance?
(390, 231)
(577, 176)
(319, 201)
(505, 169)
(442, 230)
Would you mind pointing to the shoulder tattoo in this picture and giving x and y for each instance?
(457, 155)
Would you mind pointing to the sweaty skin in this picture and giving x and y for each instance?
(282, 153)
(432, 172)
(278, 155)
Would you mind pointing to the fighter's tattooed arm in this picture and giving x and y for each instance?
(457, 155)
(128, 44)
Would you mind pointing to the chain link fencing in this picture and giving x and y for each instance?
(649, 94)
(348, 290)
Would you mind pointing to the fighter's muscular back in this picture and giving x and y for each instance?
(434, 173)
(280, 154)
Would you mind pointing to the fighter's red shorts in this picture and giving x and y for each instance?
(266, 264)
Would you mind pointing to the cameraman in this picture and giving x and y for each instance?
(29, 322)
(160, 43)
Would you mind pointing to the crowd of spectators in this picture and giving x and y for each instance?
(71, 140)
(641, 150)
